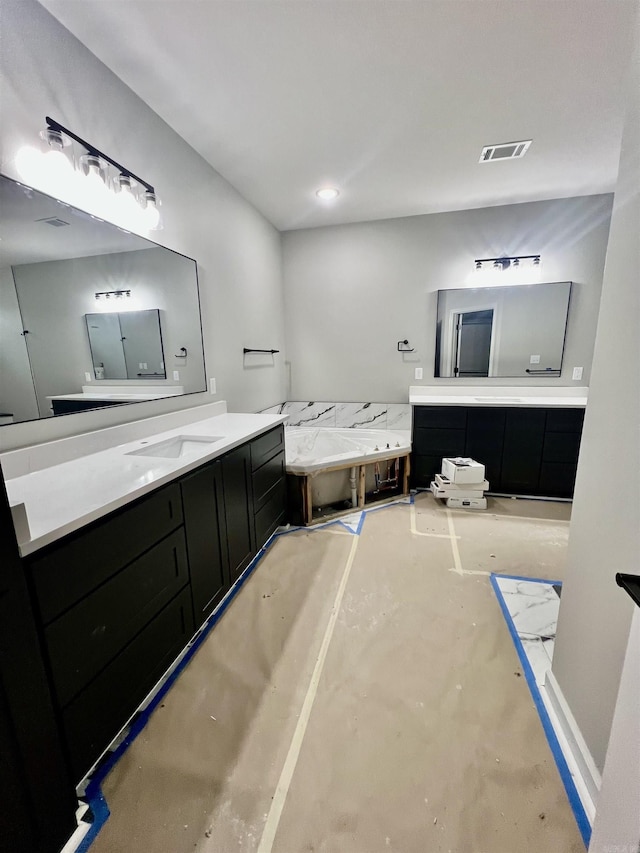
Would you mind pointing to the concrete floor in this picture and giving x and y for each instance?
(361, 695)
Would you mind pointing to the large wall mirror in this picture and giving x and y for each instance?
(90, 315)
(514, 331)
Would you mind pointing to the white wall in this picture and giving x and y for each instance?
(44, 71)
(353, 291)
(17, 396)
(604, 538)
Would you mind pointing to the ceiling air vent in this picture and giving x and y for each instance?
(53, 221)
(505, 151)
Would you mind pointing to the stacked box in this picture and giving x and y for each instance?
(461, 483)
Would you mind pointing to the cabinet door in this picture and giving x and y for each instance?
(202, 500)
(485, 439)
(522, 455)
(238, 510)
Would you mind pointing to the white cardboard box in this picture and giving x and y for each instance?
(462, 469)
(467, 503)
(459, 492)
(443, 482)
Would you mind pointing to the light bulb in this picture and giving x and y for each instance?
(328, 193)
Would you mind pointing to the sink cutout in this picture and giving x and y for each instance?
(179, 445)
(499, 399)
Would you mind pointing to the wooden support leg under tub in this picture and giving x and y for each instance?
(307, 500)
(405, 477)
(362, 473)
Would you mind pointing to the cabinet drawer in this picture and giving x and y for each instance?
(83, 641)
(272, 512)
(265, 478)
(94, 717)
(561, 447)
(71, 570)
(266, 446)
(557, 479)
(565, 420)
(454, 417)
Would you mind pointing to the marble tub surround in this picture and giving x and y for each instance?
(393, 416)
(498, 395)
(63, 497)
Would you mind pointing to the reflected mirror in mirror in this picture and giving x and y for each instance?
(57, 264)
(127, 345)
(514, 331)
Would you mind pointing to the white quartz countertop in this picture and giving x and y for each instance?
(62, 498)
(565, 398)
(124, 397)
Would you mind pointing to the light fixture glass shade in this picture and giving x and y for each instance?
(151, 212)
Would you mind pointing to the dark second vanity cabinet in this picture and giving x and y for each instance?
(525, 450)
(117, 601)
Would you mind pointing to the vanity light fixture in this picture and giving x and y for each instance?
(77, 171)
(328, 193)
(117, 294)
(504, 263)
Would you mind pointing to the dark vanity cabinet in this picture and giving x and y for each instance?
(525, 450)
(205, 525)
(238, 510)
(115, 603)
(37, 796)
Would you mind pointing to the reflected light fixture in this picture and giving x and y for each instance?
(328, 193)
(504, 263)
(76, 171)
(117, 294)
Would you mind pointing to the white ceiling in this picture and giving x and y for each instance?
(389, 100)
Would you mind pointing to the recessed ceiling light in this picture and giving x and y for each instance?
(328, 193)
(505, 151)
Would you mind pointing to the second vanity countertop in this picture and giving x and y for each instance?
(477, 395)
(65, 497)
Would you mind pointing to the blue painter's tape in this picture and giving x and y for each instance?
(565, 774)
(93, 794)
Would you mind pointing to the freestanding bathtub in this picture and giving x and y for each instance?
(331, 470)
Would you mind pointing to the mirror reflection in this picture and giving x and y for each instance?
(514, 331)
(57, 264)
(127, 345)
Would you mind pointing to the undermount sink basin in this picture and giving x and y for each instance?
(179, 445)
(499, 399)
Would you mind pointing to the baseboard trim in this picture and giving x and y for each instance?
(583, 768)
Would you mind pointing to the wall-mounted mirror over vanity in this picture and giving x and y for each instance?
(90, 315)
(512, 331)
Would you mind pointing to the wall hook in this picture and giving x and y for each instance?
(403, 346)
(270, 351)
(182, 353)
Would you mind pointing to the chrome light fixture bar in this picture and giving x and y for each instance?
(76, 172)
(91, 150)
(504, 263)
(117, 294)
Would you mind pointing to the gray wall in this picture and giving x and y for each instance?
(45, 71)
(604, 537)
(353, 291)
